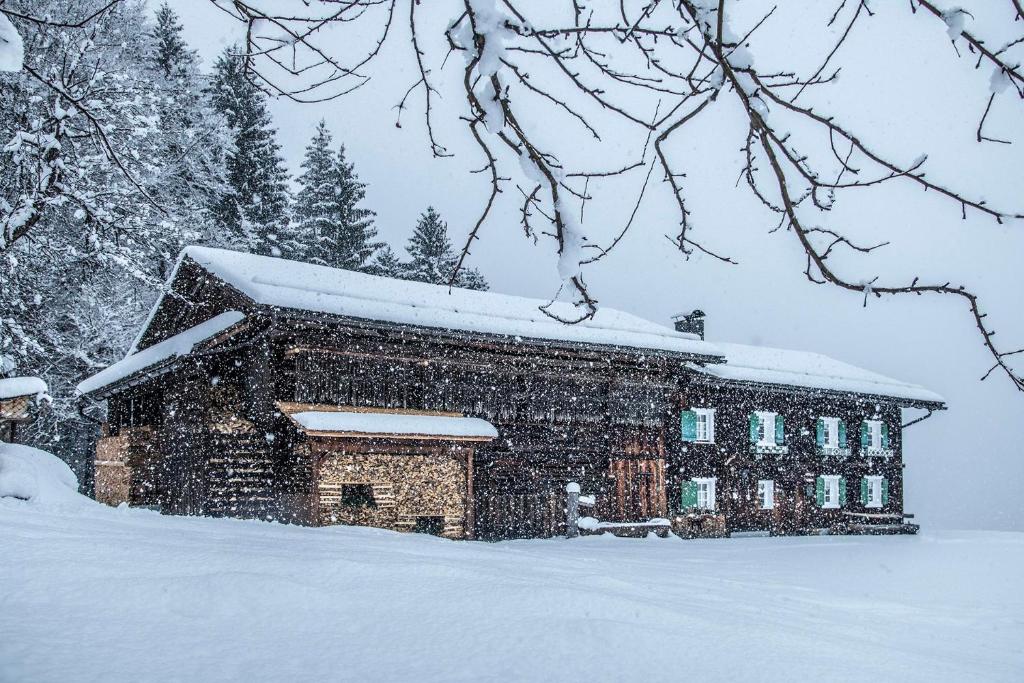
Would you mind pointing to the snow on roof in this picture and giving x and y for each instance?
(179, 345)
(305, 286)
(395, 424)
(810, 370)
(13, 387)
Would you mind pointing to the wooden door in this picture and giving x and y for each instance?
(638, 490)
(515, 512)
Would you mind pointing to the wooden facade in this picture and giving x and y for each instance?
(209, 433)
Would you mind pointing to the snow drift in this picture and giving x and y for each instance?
(36, 476)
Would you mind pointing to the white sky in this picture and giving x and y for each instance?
(906, 92)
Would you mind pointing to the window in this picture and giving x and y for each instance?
(831, 491)
(766, 428)
(874, 491)
(698, 424)
(874, 435)
(705, 424)
(829, 432)
(766, 494)
(705, 493)
(357, 496)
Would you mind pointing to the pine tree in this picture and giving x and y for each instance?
(251, 211)
(353, 243)
(170, 54)
(315, 212)
(432, 258)
(386, 264)
(330, 227)
(193, 138)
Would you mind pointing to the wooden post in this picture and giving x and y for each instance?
(470, 513)
(572, 510)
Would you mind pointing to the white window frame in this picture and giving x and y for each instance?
(705, 492)
(874, 491)
(708, 415)
(874, 434)
(766, 493)
(831, 498)
(831, 432)
(765, 427)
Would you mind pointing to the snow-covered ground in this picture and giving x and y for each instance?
(96, 593)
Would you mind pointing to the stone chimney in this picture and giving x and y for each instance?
(690, 323)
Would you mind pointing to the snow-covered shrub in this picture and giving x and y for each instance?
(36, 476)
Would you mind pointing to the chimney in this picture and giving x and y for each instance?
(690, 323)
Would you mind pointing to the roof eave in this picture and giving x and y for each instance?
(814, 391)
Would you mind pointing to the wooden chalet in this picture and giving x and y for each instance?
(261, 387)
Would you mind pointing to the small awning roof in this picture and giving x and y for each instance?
(330, 421)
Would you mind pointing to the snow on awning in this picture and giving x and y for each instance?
(15, 387)
(365, 425)
(180, 344)
(763, 365)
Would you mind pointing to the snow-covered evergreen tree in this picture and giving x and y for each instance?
(387, 264)
(193, 140)
(314, 212)
(251, 211)
(432, 259)
(170, 54)
(330, 227)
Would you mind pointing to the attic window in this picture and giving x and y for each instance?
(357, 496)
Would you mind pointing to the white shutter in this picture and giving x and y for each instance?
(711, 494)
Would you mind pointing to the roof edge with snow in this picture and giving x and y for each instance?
(181, 344)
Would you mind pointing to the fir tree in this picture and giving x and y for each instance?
(193, 139)
(251, 211)
(386, 264)
(330, 227)
(353, 243)
(170, 54)
(432, 258)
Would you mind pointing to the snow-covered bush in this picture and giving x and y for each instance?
(36, 476)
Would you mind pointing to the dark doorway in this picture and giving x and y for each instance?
(429, 525)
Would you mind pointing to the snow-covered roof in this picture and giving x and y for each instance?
(396, 425)
(13, 387)
(809, 370)
(308, 287)
(179, 345)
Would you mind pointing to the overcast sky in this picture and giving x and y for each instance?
(902, 87)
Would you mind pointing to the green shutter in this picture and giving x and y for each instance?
(864, 491)
(885, 492)
(688, 501)
(819, 433)
(753, 427)
(780, 430)
(842, 434)
(819, 491)
(864, 443)
(689, 425)
(842, 491)
(885, 435)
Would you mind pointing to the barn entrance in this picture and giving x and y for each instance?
(514, 511)
(638, 489)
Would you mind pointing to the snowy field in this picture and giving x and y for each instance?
(92, 593)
